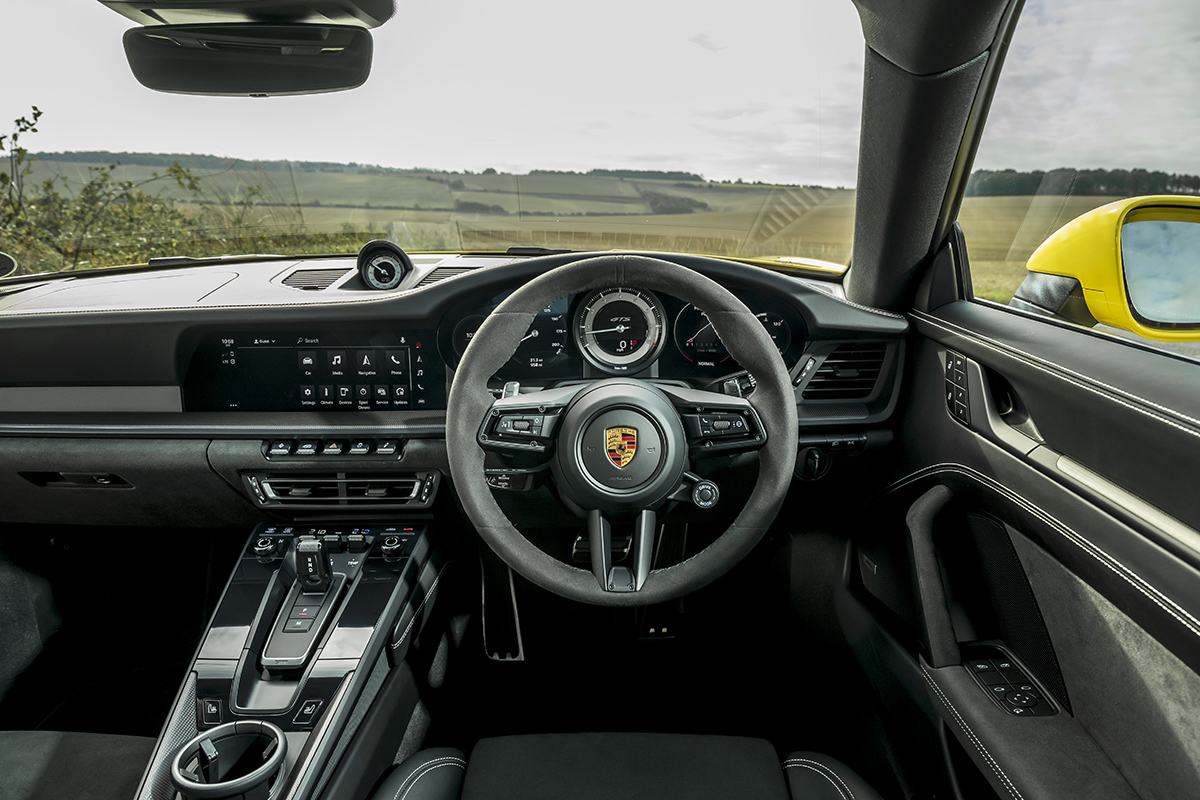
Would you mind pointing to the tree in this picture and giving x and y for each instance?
(47, 228)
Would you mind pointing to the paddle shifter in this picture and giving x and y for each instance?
(313, 571)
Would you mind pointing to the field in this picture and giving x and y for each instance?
(1002, 232)
(440, 210)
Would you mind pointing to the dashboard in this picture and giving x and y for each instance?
(261, 344)
(200, 395)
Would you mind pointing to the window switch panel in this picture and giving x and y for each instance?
(1007, 683)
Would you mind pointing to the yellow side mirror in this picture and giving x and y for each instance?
(1133, 264)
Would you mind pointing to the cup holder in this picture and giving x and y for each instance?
(234, 761)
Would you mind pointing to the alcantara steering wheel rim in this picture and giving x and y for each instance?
(470, 403)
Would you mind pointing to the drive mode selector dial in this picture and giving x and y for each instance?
(619, 330)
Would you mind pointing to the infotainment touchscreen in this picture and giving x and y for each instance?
(342, 371)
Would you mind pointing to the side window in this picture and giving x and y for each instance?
(1096, 105)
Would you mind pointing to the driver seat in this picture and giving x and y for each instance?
(621, 766)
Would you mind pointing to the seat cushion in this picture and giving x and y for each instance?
(434, 774)
(812, 776)
(45, 765)
(623, 766)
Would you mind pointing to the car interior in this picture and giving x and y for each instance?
(552, 523)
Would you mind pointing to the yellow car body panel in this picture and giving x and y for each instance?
(1088, 248)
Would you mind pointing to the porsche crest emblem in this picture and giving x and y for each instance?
(621, 444)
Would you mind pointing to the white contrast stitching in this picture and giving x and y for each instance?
(823, 770)
(962, 723)
(1080, 541)
(1034, 362)
(410, 782)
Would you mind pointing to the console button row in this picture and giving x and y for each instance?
(854, 442)
(333, 447)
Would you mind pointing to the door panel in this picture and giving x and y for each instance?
(1078, 465)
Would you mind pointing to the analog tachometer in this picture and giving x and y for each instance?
(619, 330)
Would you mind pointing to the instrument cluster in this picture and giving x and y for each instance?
(625, 330)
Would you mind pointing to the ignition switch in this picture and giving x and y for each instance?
(812, 463)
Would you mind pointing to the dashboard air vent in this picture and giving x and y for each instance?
(441, 273)
(343, 490)
(848, 373)
(314, 280)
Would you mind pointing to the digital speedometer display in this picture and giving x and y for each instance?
(540, 349)
(620, 330)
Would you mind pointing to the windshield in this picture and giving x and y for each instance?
(694, 127)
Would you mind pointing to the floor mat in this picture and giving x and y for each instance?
(44, 765)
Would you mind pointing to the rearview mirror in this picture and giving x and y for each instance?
(1133, 264)
(248, 59)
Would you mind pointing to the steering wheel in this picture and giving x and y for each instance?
(621, 446)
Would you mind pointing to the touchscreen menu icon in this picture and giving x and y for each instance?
(396, 362)
(366, 361)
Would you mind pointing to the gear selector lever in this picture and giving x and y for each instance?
(313, 568)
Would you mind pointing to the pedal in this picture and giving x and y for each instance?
(665, 620)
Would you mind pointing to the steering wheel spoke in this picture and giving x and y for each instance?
(525, 423)
(717, 423)
(622, 578)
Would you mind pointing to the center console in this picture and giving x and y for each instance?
(311, 622)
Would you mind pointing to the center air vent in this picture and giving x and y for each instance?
(314, 280)
(343, 490)
(848, 373)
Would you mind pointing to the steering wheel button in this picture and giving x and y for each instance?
(520, 425)
(721, 425)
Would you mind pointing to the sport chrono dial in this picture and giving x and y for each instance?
(383, 265)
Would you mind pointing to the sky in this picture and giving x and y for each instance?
(1099, 84)
(759, 89)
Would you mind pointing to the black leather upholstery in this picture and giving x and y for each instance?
(622, 766)
(812, 776)
(435, 774)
